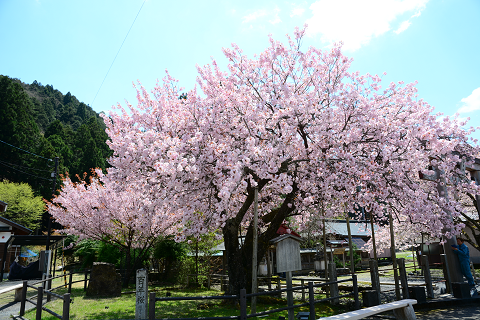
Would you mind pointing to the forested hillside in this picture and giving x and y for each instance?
(47, 124)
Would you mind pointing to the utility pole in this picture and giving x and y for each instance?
(54, 176)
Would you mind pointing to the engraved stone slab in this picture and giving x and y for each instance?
(141, 305)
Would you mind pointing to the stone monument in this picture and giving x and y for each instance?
(141, 303)
(104, 280)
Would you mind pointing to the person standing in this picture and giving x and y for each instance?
(464, 256)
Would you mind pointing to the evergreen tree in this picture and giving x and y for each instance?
(17, 128)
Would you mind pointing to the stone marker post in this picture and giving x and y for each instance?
(141, 305)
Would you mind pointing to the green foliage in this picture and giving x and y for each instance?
(41, 120)
(86, 251)
(170, 254)
(356, 258)
(24, 207)
(167, 248)
(89, 251)
(198, 260)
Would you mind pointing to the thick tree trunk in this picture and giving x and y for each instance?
(239, 258)
(236, 262)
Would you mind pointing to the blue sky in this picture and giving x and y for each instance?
(71, 44)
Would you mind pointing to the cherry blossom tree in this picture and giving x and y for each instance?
(459, 185)
(299, 127)
(112, 212)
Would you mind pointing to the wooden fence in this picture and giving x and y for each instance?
(242, 297)
(45, 289)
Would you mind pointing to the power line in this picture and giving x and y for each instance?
(24, 167)
(91, 105)
(33, 175)
(25, 151)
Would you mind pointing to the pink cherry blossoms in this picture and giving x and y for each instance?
(298, 125)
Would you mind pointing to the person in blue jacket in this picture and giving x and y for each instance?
(464, 256)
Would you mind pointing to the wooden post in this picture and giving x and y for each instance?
(54, 261)
(254, 253)
(39, 303)
(403, 278)
(243, 304)
(350, 246)
(279, 286)
(373, 238)
(375, 278)
(355, 291)
(325, 258)
(303, 289)
(334, 286)
(269, 270)
(428, 277)
(291, 312)
(24, 298)
(394, 258)
(85, 281)
(70, 280)
(48, 287)
(208, 281)
(446, 274)
(66, 307)
(151, 306)
(311, 300)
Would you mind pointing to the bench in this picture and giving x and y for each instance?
(18, 291)
(402, 309)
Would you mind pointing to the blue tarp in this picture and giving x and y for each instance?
(27, 254)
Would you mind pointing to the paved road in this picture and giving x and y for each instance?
(468, 312)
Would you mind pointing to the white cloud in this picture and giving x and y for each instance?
(297, 12)
(357, 22)
(276, 19)
(263, 13)
(403, 26)
(254, 16)
(471, 103)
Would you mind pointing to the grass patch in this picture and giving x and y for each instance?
(123, 307)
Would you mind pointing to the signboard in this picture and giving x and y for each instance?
(339, 251)
(141, 304)
(288, 254)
